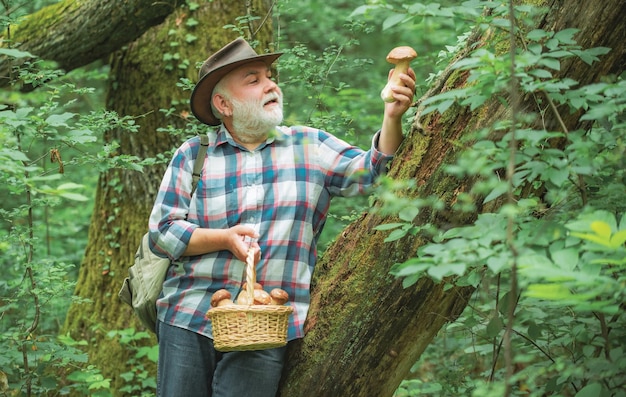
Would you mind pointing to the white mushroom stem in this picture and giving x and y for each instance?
(401, 67)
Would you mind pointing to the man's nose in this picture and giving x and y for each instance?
(271, 86)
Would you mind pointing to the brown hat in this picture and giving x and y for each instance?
(230, 57)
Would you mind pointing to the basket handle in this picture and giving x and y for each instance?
(250, 275)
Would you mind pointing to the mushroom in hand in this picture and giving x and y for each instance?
(401, 57)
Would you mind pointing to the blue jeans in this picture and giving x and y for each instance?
(190, 366)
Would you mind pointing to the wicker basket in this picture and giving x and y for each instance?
(253, 327)
(249, 327)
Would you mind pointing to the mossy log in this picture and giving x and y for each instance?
(77, 33)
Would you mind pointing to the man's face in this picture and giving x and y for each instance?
(255, 100)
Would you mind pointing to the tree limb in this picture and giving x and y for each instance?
(74, 34)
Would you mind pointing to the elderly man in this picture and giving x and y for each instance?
(263, 186)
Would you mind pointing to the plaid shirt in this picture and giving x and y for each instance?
(282, 189)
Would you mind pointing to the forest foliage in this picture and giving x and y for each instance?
(549, 266)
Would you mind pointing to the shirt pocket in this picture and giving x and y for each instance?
(216, 202)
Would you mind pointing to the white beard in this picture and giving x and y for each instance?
(251, 122)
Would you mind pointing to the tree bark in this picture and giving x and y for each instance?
(364, 330)
(74, 34)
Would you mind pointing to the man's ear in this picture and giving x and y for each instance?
(222, 105)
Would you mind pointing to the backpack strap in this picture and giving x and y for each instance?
(199, 161)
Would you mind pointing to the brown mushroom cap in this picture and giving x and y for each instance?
(256, 285)
(219, 296)
(243, 298)
(404, 53)
(279, 296)
(261, 297)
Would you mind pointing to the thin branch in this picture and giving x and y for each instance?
(510, 171)
(31, 278)
(265, 18)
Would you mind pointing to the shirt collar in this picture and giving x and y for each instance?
(279, 135)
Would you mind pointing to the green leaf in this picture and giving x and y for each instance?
(550, 63)
(594, 238)
(467, 63)
(558, 54)
(440, 271)
(59, 120)
(397, 234)
(591, 390)
(153, 355)
(445, 105)
(191, 22)
(69, 185)
(411, 267)
(69, 341)
(557, 176)
(475, 101)
(494, 327)
(551, 291)
(535, 48)
(618, 239)
(537, 34)
(590, 55)
(408, 213)
(393, 20)
(534, 331)
(583, 223)
(566, 36)
(73, 196)
(498, 191)
(410, 280)
(565, 258)
(541, 73)
(389, 226)
(14, 155)
(497, 263)
(12, 52)
(454, 232)
(361, 10)
(82, 136)
(602, 229)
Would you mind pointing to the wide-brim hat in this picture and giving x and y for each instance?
(234, 54)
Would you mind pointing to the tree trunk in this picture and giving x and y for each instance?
(364, 330)
(142, 83)
(74, 34)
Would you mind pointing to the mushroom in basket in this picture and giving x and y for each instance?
(220, 298)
